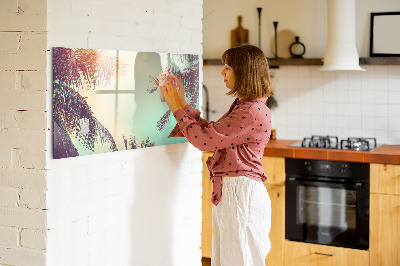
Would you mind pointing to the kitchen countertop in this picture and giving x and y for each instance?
(389, 154)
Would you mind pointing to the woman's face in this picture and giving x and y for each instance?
(229, 76)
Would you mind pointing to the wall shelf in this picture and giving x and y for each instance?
(380, 61)
(274, 63)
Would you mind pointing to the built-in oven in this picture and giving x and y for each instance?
(327, 202)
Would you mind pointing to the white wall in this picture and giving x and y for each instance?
(23, 133)
(311, 102)
(305, 18)
(346, 104)
(137, 207)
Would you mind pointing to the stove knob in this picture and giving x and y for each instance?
(343, 168)
(308, 166)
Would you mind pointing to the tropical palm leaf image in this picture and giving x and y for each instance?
(107, 100)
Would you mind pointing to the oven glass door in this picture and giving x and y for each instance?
(325, 207)
(326, 213)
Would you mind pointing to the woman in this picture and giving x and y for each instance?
(242, 211)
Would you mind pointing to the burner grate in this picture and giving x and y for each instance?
(358, 144)
(332, 142)
(327, 142)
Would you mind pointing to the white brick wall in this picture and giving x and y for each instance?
(33, 239)
(23, 178)
(9, 237)
(23, 132)
(8, 197)
(24, 256)
(101, 206)
(23, 218)
(137, 207)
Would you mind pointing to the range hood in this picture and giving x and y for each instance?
(341, 51)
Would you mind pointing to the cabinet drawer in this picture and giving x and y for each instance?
(305, 254)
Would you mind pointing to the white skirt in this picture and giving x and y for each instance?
(241, 223)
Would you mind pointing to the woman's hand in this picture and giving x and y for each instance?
(172, 94)
(181, 91)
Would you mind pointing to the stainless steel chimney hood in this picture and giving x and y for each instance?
(341, 51)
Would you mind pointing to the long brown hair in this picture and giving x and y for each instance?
(250, 66)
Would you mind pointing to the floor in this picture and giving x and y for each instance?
(206, 261)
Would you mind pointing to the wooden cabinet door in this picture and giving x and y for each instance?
(384, 236)
(385, 178)
(304, 254)
(274, 168)
(206, 226)
(277, 233)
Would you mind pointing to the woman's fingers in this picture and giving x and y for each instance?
(175, 81)
(169, 85)
(168, 88)
(171, 97)
(179, 82)
(179, 89)
(164, 91)
(170, 79)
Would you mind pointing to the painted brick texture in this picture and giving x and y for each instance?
(33, 239)
(110, 209)
(9, 237)
(137, 207)
(23, 218)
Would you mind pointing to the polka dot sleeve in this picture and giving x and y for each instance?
(232, 130)
(193, 113)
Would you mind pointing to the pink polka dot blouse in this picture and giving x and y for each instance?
(238, 139)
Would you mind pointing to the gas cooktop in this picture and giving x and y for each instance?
(332, 142)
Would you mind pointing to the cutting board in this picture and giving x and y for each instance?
(239, 35)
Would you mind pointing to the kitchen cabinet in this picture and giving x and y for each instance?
(385, 230)
(277, 233)
(385, 178)
(305, 254)
(206, 225)
(384, 221)
(385, 214)
(274, 168)
(384, 245)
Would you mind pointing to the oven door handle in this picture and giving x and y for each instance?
(357, 185)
